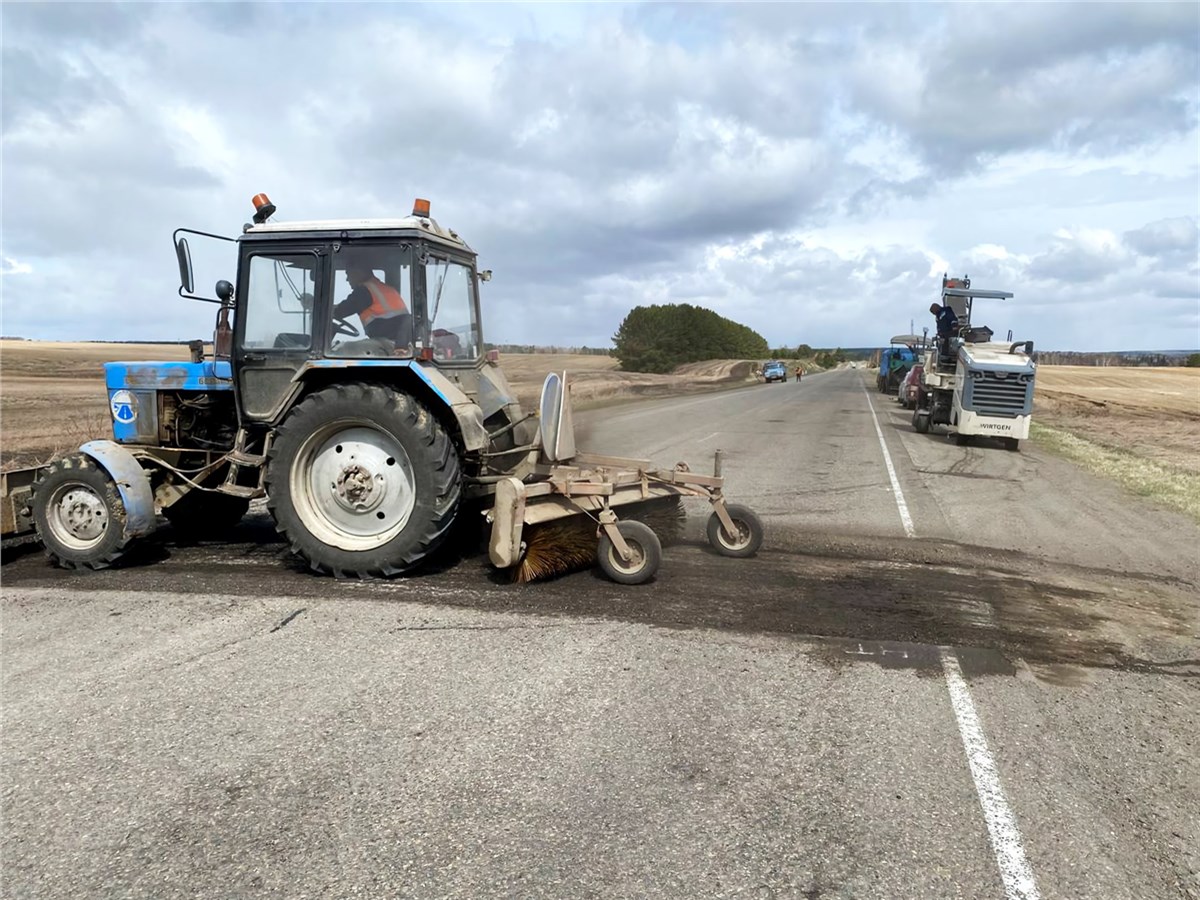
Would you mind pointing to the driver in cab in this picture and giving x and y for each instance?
(379, 307)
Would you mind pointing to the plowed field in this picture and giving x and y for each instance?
(1153, 413)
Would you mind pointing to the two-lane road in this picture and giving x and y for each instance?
(996, 698)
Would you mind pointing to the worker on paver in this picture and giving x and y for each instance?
(947, 325)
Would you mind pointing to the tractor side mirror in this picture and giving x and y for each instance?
(224, 292)
(485, 275)
(184, 256)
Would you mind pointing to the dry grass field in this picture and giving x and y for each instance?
(52, 395)
(1151, 413)
(1138, 427)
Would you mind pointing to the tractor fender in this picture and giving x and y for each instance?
(465, 410)
(132, 484)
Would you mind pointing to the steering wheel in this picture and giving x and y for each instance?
(344, 327)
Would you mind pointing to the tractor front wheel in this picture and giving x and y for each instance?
(363, 481)
(79, 514)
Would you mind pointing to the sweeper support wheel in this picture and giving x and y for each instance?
(638, 560)
(741, 536)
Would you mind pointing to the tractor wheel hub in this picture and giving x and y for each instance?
(82, 514)
(353, 485)
(358, 489)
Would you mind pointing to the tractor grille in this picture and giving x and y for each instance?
(999, 393)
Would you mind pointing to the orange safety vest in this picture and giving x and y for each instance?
(386, 302)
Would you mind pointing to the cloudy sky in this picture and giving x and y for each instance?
(809, 170)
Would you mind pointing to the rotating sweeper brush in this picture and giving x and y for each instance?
(581, 508)
(569, 544)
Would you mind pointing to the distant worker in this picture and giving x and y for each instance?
(799, 372)
(378, 306)
(947, 325)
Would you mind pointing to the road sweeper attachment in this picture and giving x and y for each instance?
(565, 515)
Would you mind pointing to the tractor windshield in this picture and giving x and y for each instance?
(453, 324)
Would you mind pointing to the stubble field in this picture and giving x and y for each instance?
(1152, 413)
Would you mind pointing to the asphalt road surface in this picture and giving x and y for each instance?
(950, 672)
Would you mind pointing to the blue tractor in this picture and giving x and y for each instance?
(357, 429)
(895, 361)
(349, 387)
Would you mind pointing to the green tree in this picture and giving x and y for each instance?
(659, 338)
(1193, 361)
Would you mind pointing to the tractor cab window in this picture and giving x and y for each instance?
(372, 302)
(453, 326)
(279, 302)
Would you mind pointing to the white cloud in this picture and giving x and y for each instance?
(15, 267)
(808, 169)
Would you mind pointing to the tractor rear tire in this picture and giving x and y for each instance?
(203, 515)
(79, 514)
(363, 481)
(749, 537)
(647, 554)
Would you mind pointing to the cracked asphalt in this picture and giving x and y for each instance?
(213, 721)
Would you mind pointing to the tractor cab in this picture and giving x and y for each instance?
(399, 296)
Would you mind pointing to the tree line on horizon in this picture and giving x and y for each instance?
(1146, 358)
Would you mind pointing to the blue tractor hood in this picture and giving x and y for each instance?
(134, 388)
(208, 375)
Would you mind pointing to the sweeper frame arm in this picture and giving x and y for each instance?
(597, 487)
(569, 487)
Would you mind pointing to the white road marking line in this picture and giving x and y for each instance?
(708, 437)
(1015, 872)
(905, 518)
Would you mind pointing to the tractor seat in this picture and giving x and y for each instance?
(292, 340)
